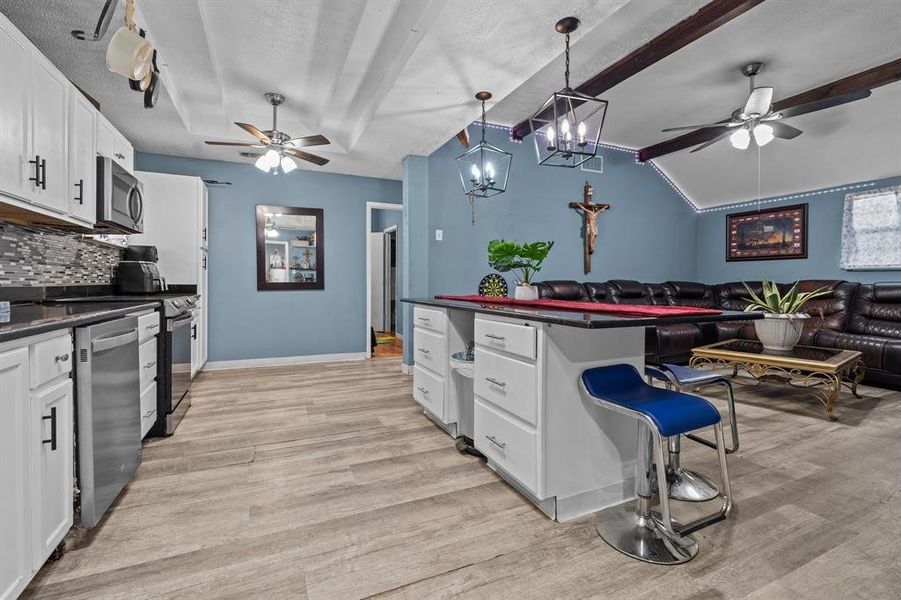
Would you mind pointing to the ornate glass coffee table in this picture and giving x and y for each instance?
(821, 371)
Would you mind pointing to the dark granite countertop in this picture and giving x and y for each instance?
(573, 318)
(32, 319)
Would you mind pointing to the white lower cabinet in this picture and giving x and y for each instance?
(511, 446)
(36, 455)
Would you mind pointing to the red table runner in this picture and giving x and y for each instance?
(639, 310)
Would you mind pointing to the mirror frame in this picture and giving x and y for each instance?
(262, 284)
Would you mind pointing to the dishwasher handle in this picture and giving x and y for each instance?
(114, 341)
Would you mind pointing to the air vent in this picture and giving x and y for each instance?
(83, 355)
(594, 164)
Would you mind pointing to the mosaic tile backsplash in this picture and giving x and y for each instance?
(41, 256)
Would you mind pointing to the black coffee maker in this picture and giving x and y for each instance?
(137, 273)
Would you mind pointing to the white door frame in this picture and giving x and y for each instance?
(370, 206)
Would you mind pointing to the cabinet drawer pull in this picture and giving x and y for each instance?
(153, 327)
(52, 418)
(150, 365)
(496, 382)
(62, 358)
(495, 442)
(423, 390)
(424, 350)
(424, 319)
(491, 336)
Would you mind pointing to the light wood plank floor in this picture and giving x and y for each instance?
(325, 481)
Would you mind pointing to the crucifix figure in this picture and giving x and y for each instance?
(590, 211)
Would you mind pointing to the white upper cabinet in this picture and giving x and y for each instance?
(48, 158)
(106, 138)
(124, 153)
(82, 158)
(13, 109)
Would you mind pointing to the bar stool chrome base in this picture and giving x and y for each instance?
(687, 486)
(643, 537)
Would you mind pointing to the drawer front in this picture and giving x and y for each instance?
(429, 350)
(515, 339)
(148, 409)
(147, 359)
(430, 318)
(148, 326)
(508, 383)
(50, 359)
(507, 443)
(428, 390)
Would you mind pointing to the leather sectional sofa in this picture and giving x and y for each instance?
(853, 316)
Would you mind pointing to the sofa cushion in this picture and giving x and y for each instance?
(597, 291)
(876, 310)
(689, 293)
(882, 353)
(627, 291)
(562, 290)
(678, 339)
(827, 312)
(657, 292)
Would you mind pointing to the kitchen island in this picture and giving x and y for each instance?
(524, 408)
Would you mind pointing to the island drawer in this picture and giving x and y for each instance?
(508, 383)
(509, 337)
(508, 444)
(429, 350)
(428, 390)
(50, 359)
(147, 359)
(148, 409)
(430, 318)
(148, 326)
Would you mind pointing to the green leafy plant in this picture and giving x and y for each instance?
(774, 302)
(524, 259)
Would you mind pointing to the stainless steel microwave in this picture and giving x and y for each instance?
(120, 198)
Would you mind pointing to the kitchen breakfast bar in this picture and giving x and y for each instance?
(522, 402)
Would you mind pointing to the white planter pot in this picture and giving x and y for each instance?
(780, 332)
(525, 292)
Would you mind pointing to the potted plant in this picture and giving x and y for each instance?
(780, 329)
(524, 259)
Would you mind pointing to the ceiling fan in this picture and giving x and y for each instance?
(758, 121)
(280, 147)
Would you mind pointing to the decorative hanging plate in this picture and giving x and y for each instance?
(493, 286)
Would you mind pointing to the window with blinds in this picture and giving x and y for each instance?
(871, 230)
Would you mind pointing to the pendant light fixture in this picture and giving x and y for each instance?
(484, 168)
(566, 129)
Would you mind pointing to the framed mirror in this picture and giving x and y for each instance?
(289, 248)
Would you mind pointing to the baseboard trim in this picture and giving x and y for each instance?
(282, 361)
(406, 369)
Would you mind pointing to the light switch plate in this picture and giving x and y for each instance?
(439, 235)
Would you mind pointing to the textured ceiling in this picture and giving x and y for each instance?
(387, 78)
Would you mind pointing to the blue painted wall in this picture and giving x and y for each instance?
(245, 323)
(824, 228)
(649, 234)
(415, 232)
(382, 219)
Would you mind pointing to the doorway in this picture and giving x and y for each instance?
(383, 273)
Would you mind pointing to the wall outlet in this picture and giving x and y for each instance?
(439, 235)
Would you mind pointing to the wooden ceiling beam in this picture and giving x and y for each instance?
(859, 82)
(708, 18)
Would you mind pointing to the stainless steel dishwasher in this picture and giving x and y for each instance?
(109, 412)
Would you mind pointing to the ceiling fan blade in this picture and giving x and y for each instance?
(759, 101)
(707, 126)
(316, 160)
(809, 107)
(713, 141)
(229, 143)
(254, 132)
(784, 130)
(309, 140)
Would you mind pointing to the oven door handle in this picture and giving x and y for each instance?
(180, 321)
(114, 341)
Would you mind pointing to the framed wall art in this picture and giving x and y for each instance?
(289, 248)
(776, 233)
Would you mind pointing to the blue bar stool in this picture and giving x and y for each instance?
(684, 484)
(634, 529)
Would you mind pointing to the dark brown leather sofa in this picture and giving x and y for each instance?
(853, 316)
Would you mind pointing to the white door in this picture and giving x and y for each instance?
(377, 280)
(52, 423)
(49, 133)
(13, 111)
(15, 504)
(82, 157)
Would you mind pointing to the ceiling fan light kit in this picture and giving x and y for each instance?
(281, 149)
(484, 168)
(566, 129)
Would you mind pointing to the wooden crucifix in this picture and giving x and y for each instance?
(590, 211)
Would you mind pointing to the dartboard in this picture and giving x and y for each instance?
(493, 286)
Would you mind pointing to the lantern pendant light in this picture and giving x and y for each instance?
(566, 130)
(484, 168)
